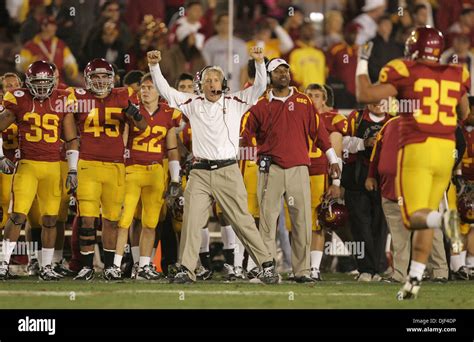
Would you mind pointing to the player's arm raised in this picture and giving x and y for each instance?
(175, 98)
(366, 92)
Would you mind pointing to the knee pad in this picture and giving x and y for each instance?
(17, 220)
(86, 232)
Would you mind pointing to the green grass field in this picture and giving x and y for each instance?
(338, 291)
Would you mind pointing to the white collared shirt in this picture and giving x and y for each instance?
(272, 97)
(215, 134)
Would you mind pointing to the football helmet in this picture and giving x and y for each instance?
(466, 206)
(40, 79)
(99, 86)
(332, 214)
(424, 42)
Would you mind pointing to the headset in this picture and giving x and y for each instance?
(199, 78)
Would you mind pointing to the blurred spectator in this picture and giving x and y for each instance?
(373, 10)
(293, 22)
(333, 26)
(106, 44)
(365, 208)
(215, 52)
(460, 53)
(448, 10)
(151, 35)
(185, 83)
(182, 57)
(385, 48)
(464, 25)
(195, 21)
(308, 63)
(46, 46)
(171, 7)
(342, 64)
(273, 47)
(32, 24)
(132, 79)
(137, 9)
(110, 12)
(420, 15)
(83, 15)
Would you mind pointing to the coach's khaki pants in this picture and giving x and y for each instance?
(293, 183)
(401, 239)
(227, 187)
(401, 245)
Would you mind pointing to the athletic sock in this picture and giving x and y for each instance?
(456, 262)
(144, 260)
(8, 247)
(109, 256)
(58, 255)
(87, 259)
(135, 253)
(316, 257)
(205, 240)
(238, 253)
(118, 260)
(46, 256)
(205, 259)
(416, 270)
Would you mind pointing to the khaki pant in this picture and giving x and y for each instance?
(226, 186)
(294, 185)
(401, 239)
(401, 245)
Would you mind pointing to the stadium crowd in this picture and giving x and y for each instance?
(311, 52)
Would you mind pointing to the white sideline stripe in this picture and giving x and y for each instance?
(177, 292)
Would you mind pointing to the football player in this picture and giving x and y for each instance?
(430, 93)
(145, 178)
(336, 124)
(41, 113)
(102, 114)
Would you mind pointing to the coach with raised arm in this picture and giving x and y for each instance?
(215, 118)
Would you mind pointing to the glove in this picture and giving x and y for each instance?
(366, 50)
(71, 182)
(133, 112)
(173, 193)
(7, 166)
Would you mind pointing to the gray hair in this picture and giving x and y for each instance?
(213, 68)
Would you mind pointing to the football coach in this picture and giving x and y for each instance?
(215, 120)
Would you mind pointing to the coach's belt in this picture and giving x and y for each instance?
(206, 164)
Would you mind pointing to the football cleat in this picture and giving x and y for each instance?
(61, 269)
(253, 273)
(269, 274)
(148, 273)
(315, 274)
(364, 277)
(86, 273)
(173, 270)
(229, 272)
(203, 273)
(47, 274)
(410, 289)
(451, 225)
(33, 267)
(304, 279)
(182, 277)
(135, 268)
(461, 274)
(5, 272)
(112, 273)
(376, 277)
(239, 272)
(291, 276)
